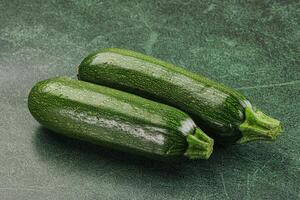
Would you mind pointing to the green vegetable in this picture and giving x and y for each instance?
(117, 119)
(221, 112)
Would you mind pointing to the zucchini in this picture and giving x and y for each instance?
(221, 112)
(117, 119)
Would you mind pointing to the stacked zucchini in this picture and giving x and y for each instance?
(136, 103)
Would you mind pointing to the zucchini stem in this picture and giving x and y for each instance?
(259, 126)
(200, 146)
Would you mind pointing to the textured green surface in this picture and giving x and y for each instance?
(220, 111)
(251, 46)
(116, 119)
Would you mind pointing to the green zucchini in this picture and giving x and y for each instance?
(117, 119)
(221, 112)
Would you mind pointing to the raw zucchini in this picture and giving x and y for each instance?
(117, 119)
(221, 112)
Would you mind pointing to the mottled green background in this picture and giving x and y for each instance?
(252, 46)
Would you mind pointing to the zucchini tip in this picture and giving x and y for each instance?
(259, 126)
(200, 146)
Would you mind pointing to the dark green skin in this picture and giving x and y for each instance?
(109, 117)
(217, 109)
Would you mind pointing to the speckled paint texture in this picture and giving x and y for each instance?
(252, 46)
